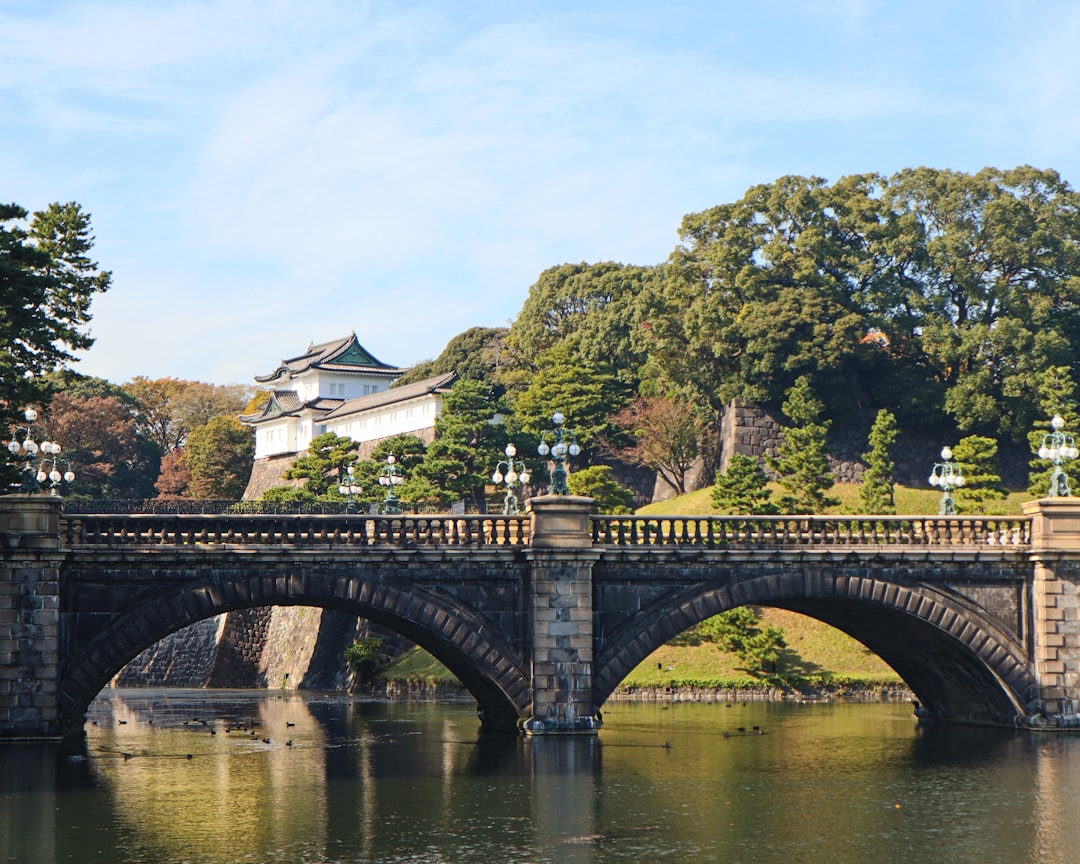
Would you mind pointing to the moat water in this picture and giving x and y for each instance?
(224, 777)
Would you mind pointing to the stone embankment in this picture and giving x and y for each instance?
(845, 693)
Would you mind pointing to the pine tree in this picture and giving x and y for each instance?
(742, 488)
(876, 491)
(1057, 395)
(597, 482)
(976, 457)
(467, 444)
(801, 463)
(321, 466)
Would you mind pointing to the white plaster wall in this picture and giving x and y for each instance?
(398, 419)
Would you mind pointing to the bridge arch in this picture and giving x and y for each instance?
(454, 633)
(957, 659)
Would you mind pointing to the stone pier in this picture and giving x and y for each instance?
(562, 560)
(29, 614)
(1055, 599)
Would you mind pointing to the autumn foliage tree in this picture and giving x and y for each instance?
(665, 438)
(100, 439)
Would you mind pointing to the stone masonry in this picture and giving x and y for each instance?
(541, 617)
(29, 613)
(562, 559)
(1056, 603)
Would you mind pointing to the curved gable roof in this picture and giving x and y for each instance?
(284, 403)
(339, 355)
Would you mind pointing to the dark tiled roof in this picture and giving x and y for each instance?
(285, 402)
(340, 355)
(438, 384)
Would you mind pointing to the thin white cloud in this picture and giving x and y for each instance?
(282, 164)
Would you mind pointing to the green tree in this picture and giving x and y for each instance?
(287, 493)
(364, 657)
(801, 462)
(478, 353)
(47, 283)
(768, 289)
(467, 444)
(738, 632)
(743, 488)
(976, 457)
(328, 454)
(1057, 396)
(931, 293)
(994, 301)
(876, 490)
(589, 397)
(592, 311)
(598, 482)
(219, 455)
(409, 451)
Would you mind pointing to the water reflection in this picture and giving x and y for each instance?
(169, 776)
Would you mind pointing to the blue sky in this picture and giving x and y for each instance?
(266, 174)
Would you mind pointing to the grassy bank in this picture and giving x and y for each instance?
(816, 655)
(909, 501)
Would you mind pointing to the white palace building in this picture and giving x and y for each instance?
(337, 387)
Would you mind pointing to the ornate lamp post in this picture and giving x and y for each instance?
(391, 477)
(515, 473)
(948, 476)
(42, 461)
(558, 450)
(1059, 447)
(348, 486)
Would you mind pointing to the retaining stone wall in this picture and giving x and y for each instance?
(185, 658)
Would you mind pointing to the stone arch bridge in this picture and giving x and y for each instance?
(542, 615)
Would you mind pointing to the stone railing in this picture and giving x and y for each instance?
(798, 531)
(308, 530)
(496, 530)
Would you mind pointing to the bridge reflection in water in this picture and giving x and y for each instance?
(541, 616)
(376, 782)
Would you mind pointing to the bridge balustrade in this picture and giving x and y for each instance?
(797, 531)
(297, 530)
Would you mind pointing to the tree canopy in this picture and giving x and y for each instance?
(47, 282)
(478, 353)
(932, 293)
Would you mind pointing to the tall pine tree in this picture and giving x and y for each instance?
(976, 456)
(800, 462)
(876, 491)
(1057, 395)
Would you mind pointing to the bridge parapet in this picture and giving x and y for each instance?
(803, 531)
(143, 529)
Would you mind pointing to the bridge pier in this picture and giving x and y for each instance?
(1055, 602)
(561, 560)
(30, 616)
